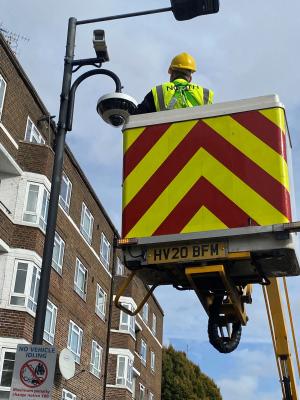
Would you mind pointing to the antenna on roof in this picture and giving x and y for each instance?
(12, 38)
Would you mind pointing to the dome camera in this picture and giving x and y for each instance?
(115, 108)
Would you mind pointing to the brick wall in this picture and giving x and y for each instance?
(6, 227)
(151, 380)
(19, 102)
(35, 158)
(16, 324)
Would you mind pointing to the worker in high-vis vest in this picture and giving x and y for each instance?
(179, 92)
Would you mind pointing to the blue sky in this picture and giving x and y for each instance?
(248, 49)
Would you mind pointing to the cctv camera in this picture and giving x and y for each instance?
(100, 45)
(115, 108)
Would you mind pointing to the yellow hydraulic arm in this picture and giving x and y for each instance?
(279, 334)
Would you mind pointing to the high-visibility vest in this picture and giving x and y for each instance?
(180, 94)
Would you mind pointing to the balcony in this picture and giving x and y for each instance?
(8, 166)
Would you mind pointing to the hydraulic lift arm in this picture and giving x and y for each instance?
(279, 335)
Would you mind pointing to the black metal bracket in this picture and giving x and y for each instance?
(77, 82)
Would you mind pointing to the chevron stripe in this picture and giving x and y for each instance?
(131, 136)
(204, 218)
(251, 146)
(245, 169)
(186, 217)
(201, 164)
(263, 128)
(277, 116)
(141, 146)
(155, 158)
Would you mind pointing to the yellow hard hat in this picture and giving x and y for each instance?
(183, 61)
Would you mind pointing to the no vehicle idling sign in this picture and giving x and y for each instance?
(33, 372)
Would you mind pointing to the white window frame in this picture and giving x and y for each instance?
(95, 367)
(142, 392)
(152, 361)
(101, 310)
(143, 352)
(120, 269)
(41, 207)
(32, 132)
(105, 248)
(80, 269)
(154, 324)
(65, 203)
(127, 378)
(66, 395)
(52, 311)
(2, 82)
(76, 330)
(2, 358)
(127, 322)
(145, 313)
(31, 286)
(60, 244)
(85, 213)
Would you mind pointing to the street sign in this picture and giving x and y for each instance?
(33, 372)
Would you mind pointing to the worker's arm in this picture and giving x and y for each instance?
(147, 105)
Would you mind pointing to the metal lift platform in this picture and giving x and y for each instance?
(249, 255)
(207, 206)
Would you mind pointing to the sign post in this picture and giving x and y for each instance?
(33, 372)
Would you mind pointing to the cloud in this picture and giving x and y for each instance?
(242, 387)
(246, 387)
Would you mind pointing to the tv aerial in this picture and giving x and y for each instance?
(12, 38)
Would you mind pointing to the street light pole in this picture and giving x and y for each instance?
(60, 138)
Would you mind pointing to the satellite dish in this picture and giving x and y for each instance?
(66, 364)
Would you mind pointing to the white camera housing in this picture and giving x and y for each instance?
(115, 108)
(100, 44)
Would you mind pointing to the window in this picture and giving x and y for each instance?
(100, 302)
(143, 353)
(37, 204)
(152, 361)
(86, 223)
(124, 371)
(6, 371)
(50, 322)
(119, 267)
(96, 359)
(127, 322)
(26, 286)
(32, 134)
(66, 395)
(75, 340)
(80, 279)
(142, 392)
(153, 328)
(2, 93)
(145, 313)
(104, 251)
(65, 193)
(58, 253)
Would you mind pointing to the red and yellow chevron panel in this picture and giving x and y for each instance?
(211, 173)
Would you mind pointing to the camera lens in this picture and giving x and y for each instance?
(116, 120)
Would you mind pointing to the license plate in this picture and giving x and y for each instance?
(194, 252)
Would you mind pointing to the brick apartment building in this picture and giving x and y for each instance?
(79, 301)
